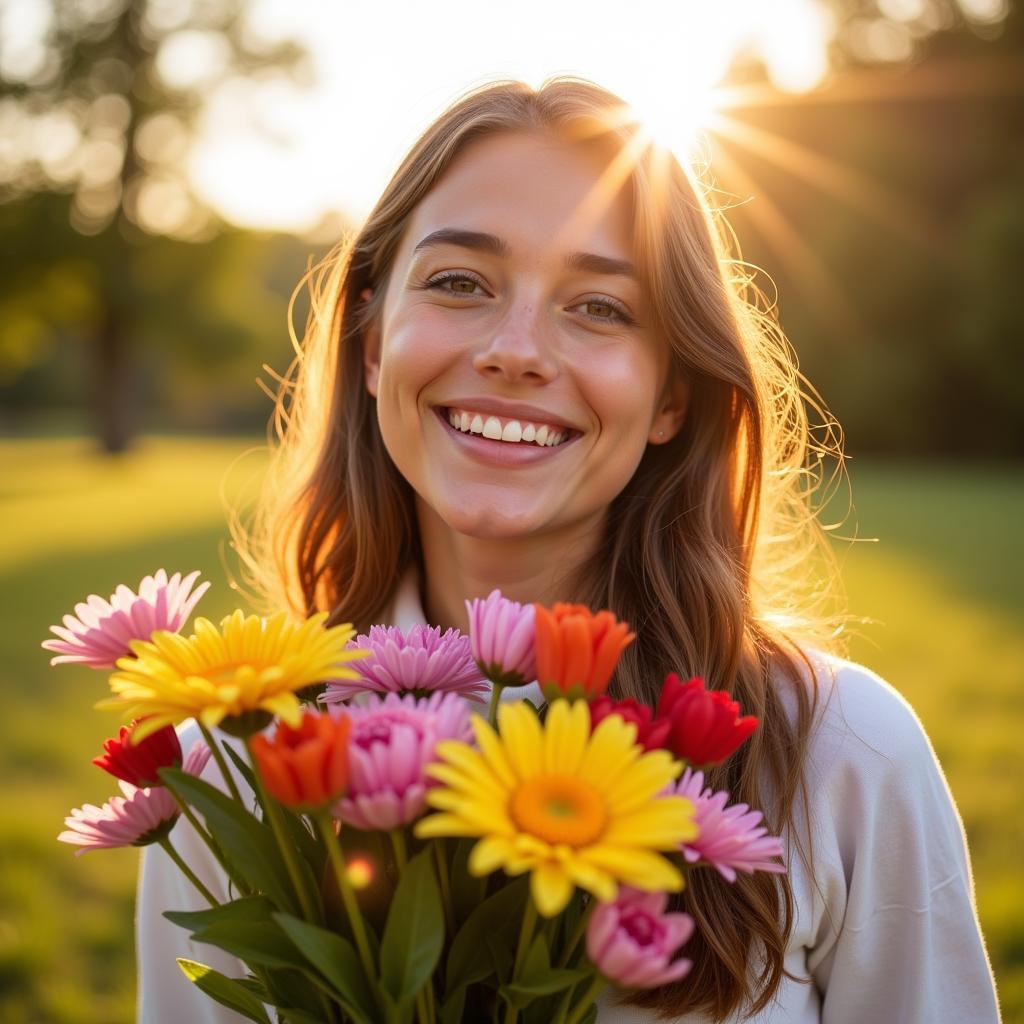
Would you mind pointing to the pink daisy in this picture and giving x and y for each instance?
(729, 838)
(420, 662)
(501, 634)
(138, 818)
(104, 630)
(391, 743)
(631, 940)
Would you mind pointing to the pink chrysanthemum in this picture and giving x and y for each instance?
(104, 630)
(391, 743)
(420, 661)
(138, 818)
(631, 940)
(729, 838)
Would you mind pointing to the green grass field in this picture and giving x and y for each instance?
(943, 582)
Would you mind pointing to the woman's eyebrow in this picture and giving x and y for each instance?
(481, 241)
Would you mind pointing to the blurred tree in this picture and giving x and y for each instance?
(888, 208)
(101, 107)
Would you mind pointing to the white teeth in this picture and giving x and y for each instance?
(512, 433)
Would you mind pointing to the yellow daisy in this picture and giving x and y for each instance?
(236, 676)
(570, 807)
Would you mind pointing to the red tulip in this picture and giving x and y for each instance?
(705, 727)
(139, 762)
(307, 767)
(577, 651)
(651, 733)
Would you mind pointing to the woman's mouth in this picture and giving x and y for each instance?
(506, 430)
(503, 442)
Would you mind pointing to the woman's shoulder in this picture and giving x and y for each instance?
(861, 719)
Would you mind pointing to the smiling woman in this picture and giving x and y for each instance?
(524, 328)
(536, 368)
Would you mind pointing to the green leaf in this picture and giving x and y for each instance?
(247, 843)
(240, 911)
(336, 959)
(537, 977)
(470, 958)
(414, 934)
(311, 850)
(262, 943)
(227, 991)
(293, 1016)
(543, 984)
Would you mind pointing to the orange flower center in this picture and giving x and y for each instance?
(559, 809)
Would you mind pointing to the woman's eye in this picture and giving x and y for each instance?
(610, 312)
(461, 284)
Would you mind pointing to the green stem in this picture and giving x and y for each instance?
(589, 997)
(525, 934)
(398, 842)
(578, 932)
(492, 711)
(165, 842)
(444, 882)
(208, 839)
(288, 850)
(348, 897)
(218, 756)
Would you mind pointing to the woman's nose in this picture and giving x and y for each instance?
(520, 346)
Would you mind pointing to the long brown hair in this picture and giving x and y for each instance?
(714, 551)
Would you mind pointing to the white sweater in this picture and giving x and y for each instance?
(886, 932)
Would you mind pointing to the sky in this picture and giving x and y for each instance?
(278, 156)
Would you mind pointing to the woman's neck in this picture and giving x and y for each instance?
(458, 567)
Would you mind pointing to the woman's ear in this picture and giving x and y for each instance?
(671, 414)
(371, 347)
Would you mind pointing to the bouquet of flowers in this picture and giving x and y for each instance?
(397, 849)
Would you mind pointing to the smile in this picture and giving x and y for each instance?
(508, 430)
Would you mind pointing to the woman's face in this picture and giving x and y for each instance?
(513, 309)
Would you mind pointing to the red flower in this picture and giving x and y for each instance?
(705, 727)
(650, 734)
(307, 767)
(138, 763)
(577, 651)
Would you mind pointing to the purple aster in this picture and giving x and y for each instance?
(730, 838)
(420, 661)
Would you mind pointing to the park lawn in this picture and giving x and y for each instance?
(941, 582)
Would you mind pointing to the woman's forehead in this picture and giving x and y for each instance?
(534, 193)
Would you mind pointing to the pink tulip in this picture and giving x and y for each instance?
(631, 940)
(502, 636)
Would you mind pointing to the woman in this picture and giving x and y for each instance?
(535, 369)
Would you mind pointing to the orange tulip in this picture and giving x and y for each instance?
(577, 651)
(307, 767)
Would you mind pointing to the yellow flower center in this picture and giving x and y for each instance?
(559, 809)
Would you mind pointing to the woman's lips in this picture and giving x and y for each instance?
(499, 453)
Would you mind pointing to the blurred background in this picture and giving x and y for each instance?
(169, 168)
